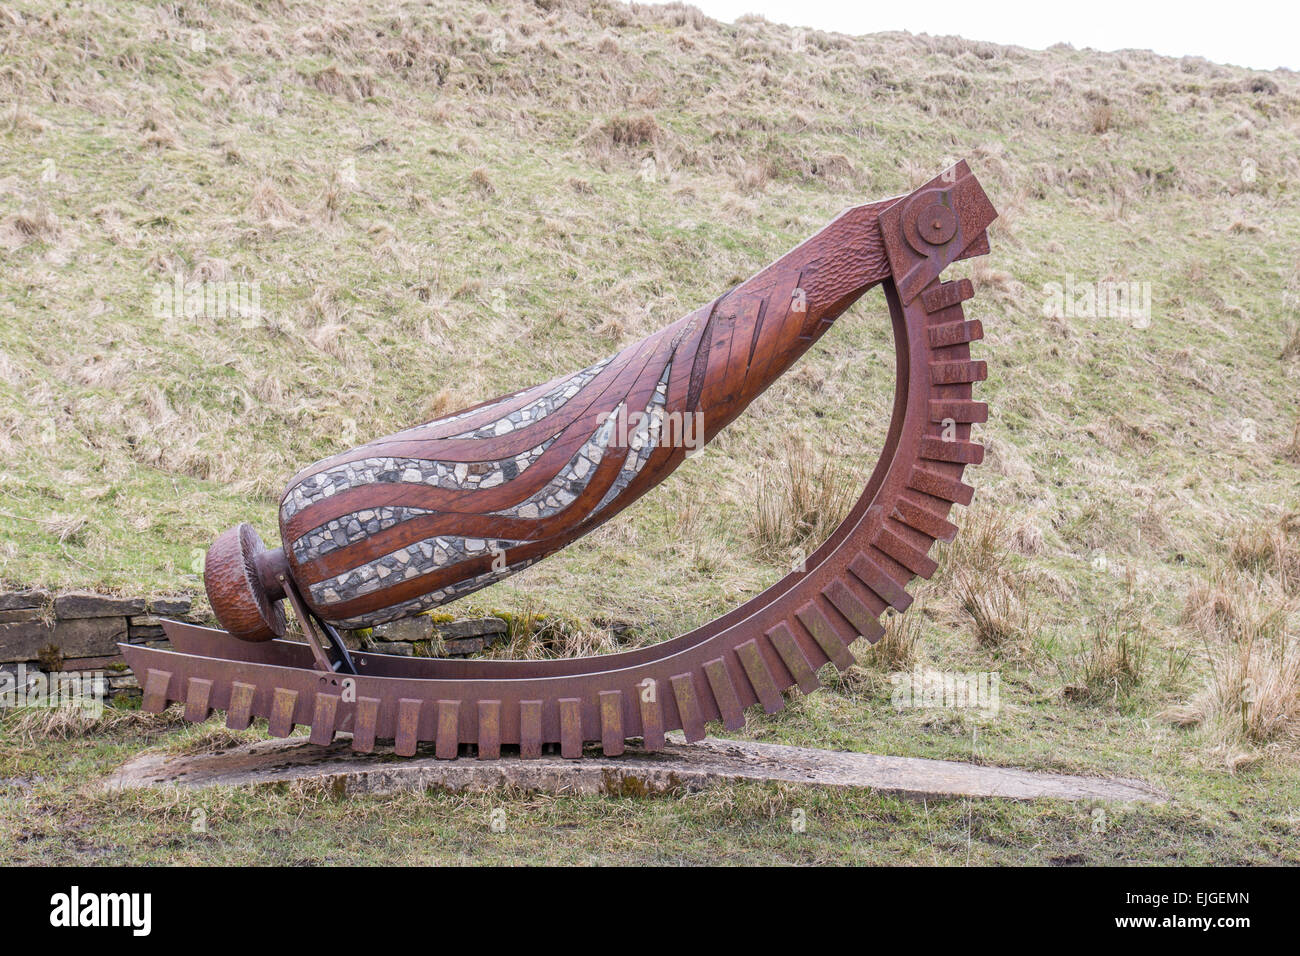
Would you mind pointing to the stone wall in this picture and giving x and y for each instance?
(421, 636)
(80, 631)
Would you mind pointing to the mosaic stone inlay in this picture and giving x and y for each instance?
(435, 598)
(422, 557)
(541, 407)
(562, 490)
(350, 528)
(452, 475)
(643, 441)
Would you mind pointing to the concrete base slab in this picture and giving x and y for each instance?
(680, 766)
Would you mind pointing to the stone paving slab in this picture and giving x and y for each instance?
(679, 766)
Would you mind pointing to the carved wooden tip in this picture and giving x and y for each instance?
(232, 577)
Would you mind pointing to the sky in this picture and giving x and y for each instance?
(1262, 34)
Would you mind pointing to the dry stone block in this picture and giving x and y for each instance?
(486, 627)
(85, 604)
(114, 664)
(175, 606)
(17, 600)
(138, 635)
(393, 647)
(464, 646)
(81, 637)
(23, 640)
(125, 685)
(20, 616)
(418, 628)
(90, 637)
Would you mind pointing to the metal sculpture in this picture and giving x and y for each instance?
(425, 516)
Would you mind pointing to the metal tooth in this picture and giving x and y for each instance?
(364, 724)
(448, 739)
(283, 702)
(156, 684)
(947, 294)
(570, 728)
(611, 722)
(688, 706)
(652, 715)
(940, 486)
(958, 410)
(760, 677)
(796, 661)
(955, 333)
(829, 630)
(407, 734)
(240, 712)
(966, 452)
(323, 717)
(885, 587)
(530, 729)
(724, 692)
(909, 557)
(926, 522)
(198, 695)
(958, 373)
(489, 729)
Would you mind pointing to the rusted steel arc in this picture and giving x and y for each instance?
(750, 655)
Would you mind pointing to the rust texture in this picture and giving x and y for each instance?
(416, 519)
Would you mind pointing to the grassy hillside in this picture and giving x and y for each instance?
(440, 202)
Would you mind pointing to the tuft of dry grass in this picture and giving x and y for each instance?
(532, 634)
(267, 205)
(1291, 347)
(982, 547)
(1112, 660)
(980, 577)
(67, 723)
(37, 224)
(798, 502)
(1292, 451)
(642, 130)
(1228, 605)
(994, 604)
(1250, 700)
(900, 647)
(1270, 548)
(67, 528)
(205, 739)
(480, 180)
(354, 87)
(1100, 118)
